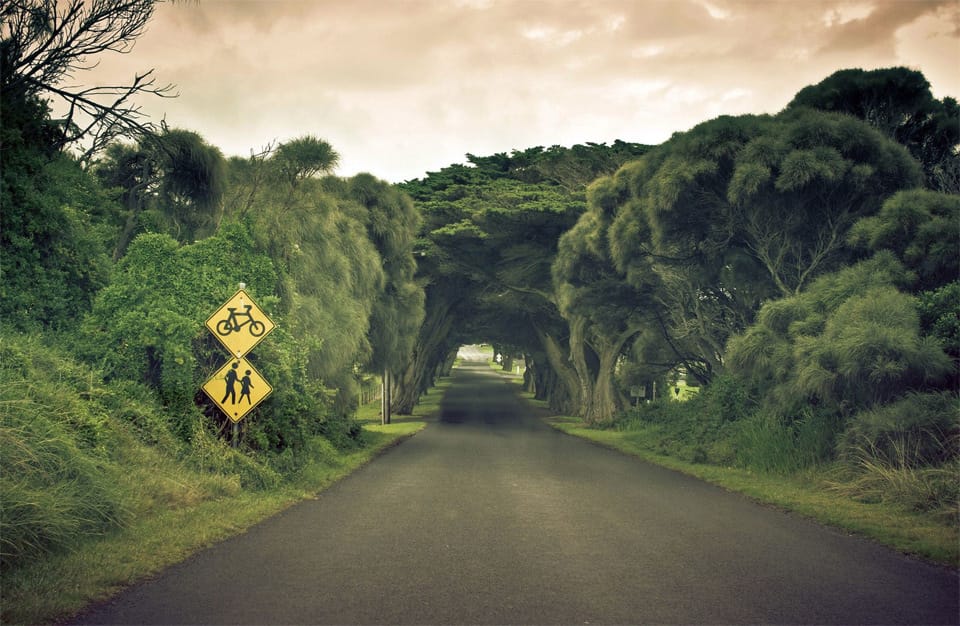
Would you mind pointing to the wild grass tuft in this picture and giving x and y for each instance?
(891, 475)
(772, 443)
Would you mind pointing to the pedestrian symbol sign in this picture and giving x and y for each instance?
(240, 324)
(237, 388)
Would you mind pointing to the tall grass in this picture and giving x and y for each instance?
(772, 443)
(891, 476)
(56, 482)
(51, 491)
(907, 453)
(80, 457)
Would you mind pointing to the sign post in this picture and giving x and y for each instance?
(237, 387)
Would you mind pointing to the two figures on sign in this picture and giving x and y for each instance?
(245, 385)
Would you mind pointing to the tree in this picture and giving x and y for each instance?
(602, 311)
(56, 221)
(392, 225)
(682, 246)
(897, 102)
(922, 228)
(44, 42)
(304, 157)
(489, 238)
(172, 182)
(56, 229)
(738, 210)
(331, 274)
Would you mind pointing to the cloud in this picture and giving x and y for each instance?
(400, 87)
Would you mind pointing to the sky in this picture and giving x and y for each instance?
(401, 88)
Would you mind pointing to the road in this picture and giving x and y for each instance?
(488, 516)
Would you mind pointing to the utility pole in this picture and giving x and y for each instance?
(385, 400)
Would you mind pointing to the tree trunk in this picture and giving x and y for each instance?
(529, 375)
(563, 394)
(418, 373)
(585, 378)
(447, 367)
(607, 402)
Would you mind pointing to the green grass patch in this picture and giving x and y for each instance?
(97, 493)
(812, 492)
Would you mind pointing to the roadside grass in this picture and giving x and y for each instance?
(816, 493)
(172, 519)
(427, 406)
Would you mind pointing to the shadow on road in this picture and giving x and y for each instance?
(473, 401)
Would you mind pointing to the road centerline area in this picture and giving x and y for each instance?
(489, 516)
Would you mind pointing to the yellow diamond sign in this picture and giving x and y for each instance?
(240, 324)
(236, 388)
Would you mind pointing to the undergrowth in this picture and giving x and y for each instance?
(904, 454)
(82, 457)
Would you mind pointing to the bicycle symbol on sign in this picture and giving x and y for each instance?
(232, 323)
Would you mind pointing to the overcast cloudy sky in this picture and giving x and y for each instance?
(403, 87)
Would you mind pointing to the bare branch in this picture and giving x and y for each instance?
(43, 43)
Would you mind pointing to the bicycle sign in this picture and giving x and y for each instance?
(240, 324)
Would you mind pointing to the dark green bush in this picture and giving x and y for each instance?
(939, 316)
(147, 326)
(699, 430)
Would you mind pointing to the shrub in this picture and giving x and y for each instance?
(769, 442)
(699, 430)
(211, 455)
(850, 341)
(939, 318)
(918, 429)
(147, 325)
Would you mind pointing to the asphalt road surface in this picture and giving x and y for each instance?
(488, 516)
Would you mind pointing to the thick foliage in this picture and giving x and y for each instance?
(148, 324)
(489, 239)
(392, 223)
(851, 341)
(922, 228)
(898, 102)
(56, 224)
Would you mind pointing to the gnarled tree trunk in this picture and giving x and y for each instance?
(566, 398)
(418, 373)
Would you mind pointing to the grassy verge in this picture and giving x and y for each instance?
(61, 584)
(427, 406)
(808, 493)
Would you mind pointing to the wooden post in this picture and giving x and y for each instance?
(387, 392)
